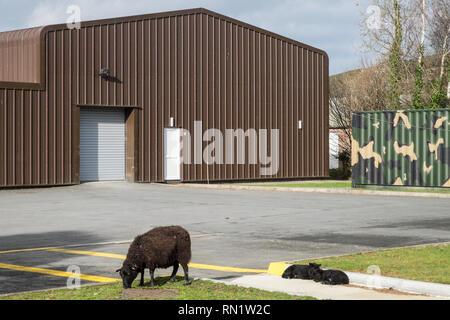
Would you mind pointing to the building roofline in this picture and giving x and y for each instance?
(175, 13)
(57, 27)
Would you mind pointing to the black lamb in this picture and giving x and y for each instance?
(162, 247)
(298, 271)
(329, 277)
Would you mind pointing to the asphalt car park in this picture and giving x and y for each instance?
(46, 231)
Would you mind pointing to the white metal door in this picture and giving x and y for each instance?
(172, 154)
(102, 144)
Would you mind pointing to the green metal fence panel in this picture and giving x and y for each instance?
(401, 148)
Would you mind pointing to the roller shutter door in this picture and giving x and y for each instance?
(102, 145)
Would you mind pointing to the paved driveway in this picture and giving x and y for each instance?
(245, 229)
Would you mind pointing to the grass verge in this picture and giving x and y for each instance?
(406, 190)
(428, 263)
(344, 184)
(198, 290)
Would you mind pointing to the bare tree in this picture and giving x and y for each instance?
(418, 102)
(439, 20)
(378, 39)
(397, 43)
(359, 90)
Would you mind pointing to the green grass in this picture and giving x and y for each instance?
(198, 290)
(406, 190)
(311, 185)
(346, 184)
(428, 263)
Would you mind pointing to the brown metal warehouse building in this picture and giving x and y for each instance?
(165, 70)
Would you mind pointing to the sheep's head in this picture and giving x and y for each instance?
(314, 266)
(128, 273)
(315, 272)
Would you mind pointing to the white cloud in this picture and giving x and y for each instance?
(46, 13)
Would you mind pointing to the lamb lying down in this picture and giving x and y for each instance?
(329, 277)
(314, 272)
(298, 271)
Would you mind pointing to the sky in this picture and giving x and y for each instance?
(331, 25)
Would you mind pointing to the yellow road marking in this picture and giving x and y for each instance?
(27, 250)
(220, 268)
(192, 265)
(89, 253)
(277, 268)
(122, 257)
(57, 273)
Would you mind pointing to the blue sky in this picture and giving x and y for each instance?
(331, 25)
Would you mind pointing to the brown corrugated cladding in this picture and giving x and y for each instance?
(22, 62)
(190, 65)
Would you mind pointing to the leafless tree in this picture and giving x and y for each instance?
(439, 37)
(377, 39)
(438, 19)
(359, 90)
(415, 17)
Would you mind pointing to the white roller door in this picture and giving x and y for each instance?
(102, 144)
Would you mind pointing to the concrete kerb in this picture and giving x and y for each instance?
(403, 285)
(312, 289)
(381, 282)
(317, 190)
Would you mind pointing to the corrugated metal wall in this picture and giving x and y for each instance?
(401, 148)
(25, 147)
(191, 65)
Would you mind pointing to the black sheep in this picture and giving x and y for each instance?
(329, 277)
(162, 247)
(298, 271)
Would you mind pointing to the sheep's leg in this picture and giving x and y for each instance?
(174, 272)
(186, 274)
(152, 277)
(141, 284)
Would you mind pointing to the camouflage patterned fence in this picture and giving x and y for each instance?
(401, 148)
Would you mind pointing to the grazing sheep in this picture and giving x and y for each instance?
(162, 247)
(329, 277)
(298, 271)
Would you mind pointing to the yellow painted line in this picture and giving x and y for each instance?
(122, 257)
(57, 273)
(192, 265)
(277, 268)
(89, 253)
(27, 250)
(220, 268)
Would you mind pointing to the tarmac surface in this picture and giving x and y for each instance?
(229, 228)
